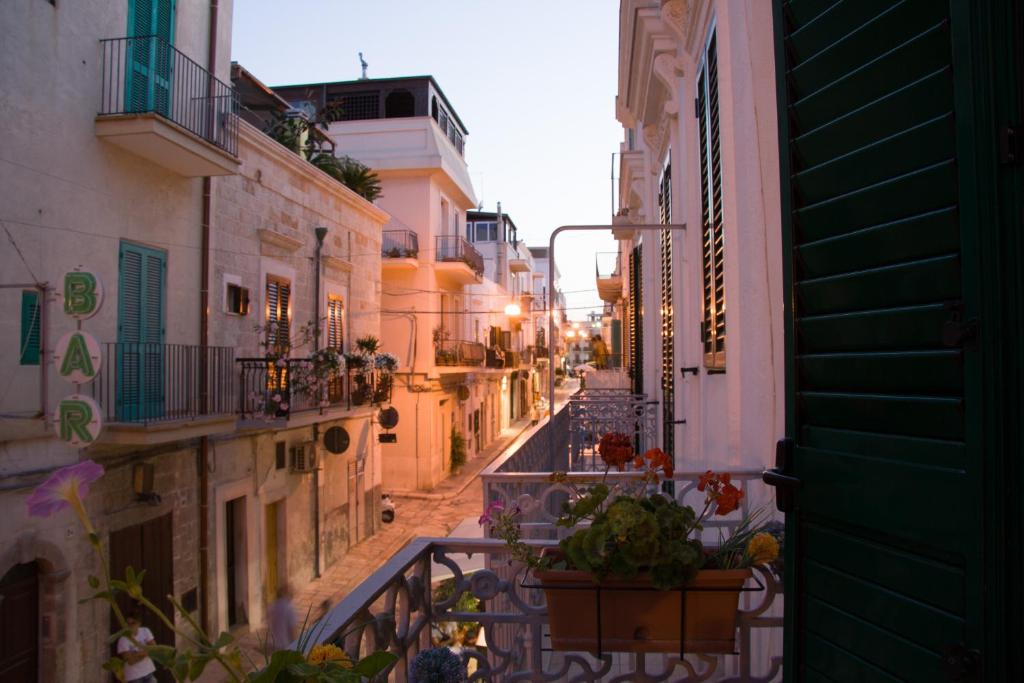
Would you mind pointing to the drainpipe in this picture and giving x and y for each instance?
(321, 233)
(204, 343)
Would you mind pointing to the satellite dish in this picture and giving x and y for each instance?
(388, 418)
(336, 440)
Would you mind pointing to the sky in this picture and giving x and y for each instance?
(534, 81)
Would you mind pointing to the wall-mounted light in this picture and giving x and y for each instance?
(569, 334)
(513, 310)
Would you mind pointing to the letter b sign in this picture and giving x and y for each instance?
(83, 294)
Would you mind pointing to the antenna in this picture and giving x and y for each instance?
(362, 62)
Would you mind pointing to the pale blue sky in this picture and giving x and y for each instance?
(534, 82)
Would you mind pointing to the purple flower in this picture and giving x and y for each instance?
(67, 487)
(494, 507)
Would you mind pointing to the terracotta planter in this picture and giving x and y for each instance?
(643, 620)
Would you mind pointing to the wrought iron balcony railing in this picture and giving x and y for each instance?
(399, 244)
(142, 383)
(147, 74)
(454, 352)
(274, 389)
(457, 248)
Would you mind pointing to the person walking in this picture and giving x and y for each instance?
(138, 667)
(600, 351)
(282, 621)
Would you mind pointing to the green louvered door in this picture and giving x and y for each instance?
(884, 550)
(149, 60)
(141, 354)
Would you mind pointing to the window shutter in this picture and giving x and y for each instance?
(668, 415)
(30, 314)
(278, 328)
(713, 238)
(636, 309)
(334, 323)
(130, 315)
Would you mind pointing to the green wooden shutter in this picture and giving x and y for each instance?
(636, 318)
(713, 235)
(141, 385)
(149, 57)
(883, 565)
(30, 320)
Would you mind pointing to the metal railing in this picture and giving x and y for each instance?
(271, 389)
(457, 248)
(395, 609)
(454, 352)
(147, 74)
(399, 244)
(142, 383)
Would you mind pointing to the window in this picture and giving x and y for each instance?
(668, 414)
(30, 318)
(399, 104)
(278, 315)
(279, 455)
(237, 299)
(636, 319)
(713, 237)
(444, 218)
(335, 322)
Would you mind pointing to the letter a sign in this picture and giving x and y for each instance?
(77, 357)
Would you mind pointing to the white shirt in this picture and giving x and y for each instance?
(144, 666)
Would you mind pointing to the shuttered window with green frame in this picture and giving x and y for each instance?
(31, 313)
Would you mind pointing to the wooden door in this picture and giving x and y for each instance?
(147, 546)
(272, 549)
(888, 164)
(236, 566)
(19, 624)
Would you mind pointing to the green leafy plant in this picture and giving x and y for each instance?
(458, 449)
(352, 173)
(460, 632)
(67, 488)
(629, 529)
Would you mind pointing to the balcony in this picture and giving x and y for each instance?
(396, 607)
(457, 262)
(399, 250)
(456, 353)
(286, 391)
(156, 393)
(609, 277)
(159, 104)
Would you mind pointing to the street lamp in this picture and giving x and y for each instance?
(513, 310)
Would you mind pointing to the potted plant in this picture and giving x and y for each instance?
(634, 556)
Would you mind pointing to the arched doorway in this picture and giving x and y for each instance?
(19, 623)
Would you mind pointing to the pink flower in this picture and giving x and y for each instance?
(67, 487)
(494, 507)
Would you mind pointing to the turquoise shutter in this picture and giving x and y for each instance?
(140, 356)
(149, 59)
(30, 318)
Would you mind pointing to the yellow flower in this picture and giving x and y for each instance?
(320, 654)
(762, 549)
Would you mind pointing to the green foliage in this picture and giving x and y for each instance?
(458, 454)
(631, 535)
(352, 173)
(368, 344)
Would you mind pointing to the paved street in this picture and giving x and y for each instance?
(434, 513)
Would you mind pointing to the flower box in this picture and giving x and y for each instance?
(636, 617)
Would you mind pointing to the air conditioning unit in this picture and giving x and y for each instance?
(303, 457)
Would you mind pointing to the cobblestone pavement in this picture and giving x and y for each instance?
(435, 513)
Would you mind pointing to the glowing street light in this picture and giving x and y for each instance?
(569, 334)
(513, 310)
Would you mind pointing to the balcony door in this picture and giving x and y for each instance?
(141, 389)
(901, 263)
(149, 62)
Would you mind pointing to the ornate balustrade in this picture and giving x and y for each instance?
(394, 610)
(596, 412)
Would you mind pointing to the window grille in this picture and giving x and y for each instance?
(356, 106)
